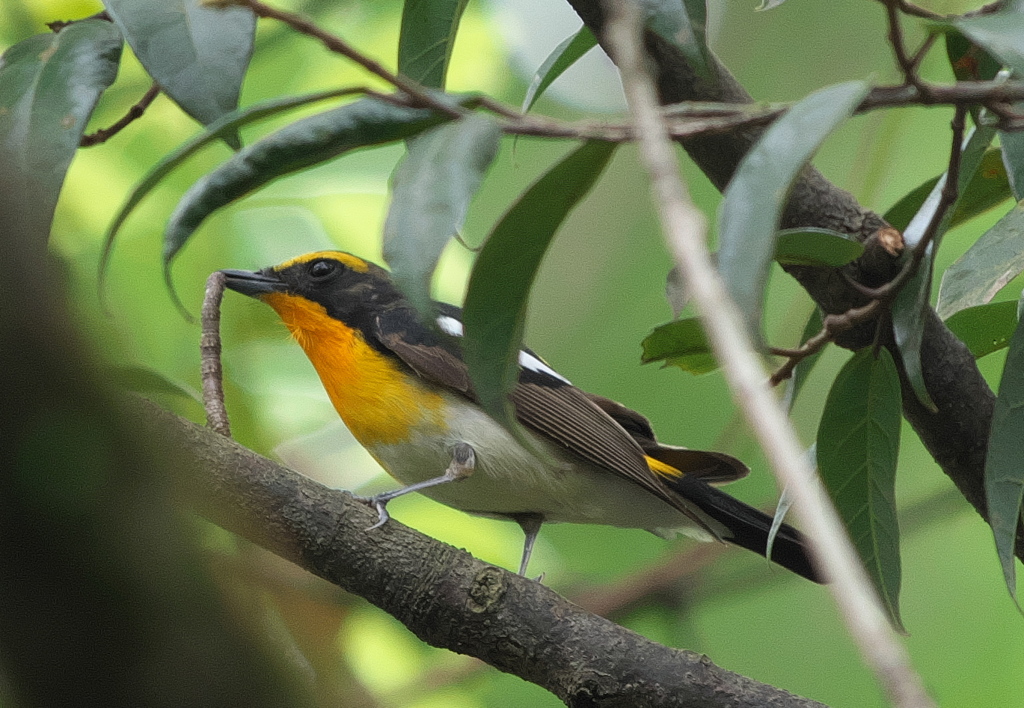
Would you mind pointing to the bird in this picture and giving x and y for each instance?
(401, 387)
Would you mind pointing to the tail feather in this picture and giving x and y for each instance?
(749, 526)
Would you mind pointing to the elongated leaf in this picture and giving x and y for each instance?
(426, 39)
(302, 144)
(1004, 474)
(806, 365)
(985, 328)
(219, 129)
(1012, 149)
(815, 247)
(991, 262)
(431, 192)
(909, 306)
(681, 22)
(681, 343)
(988, 188)
(757, 193)
(969, 61)
(196, 52)
(564, 55)
(146, 381)
(495, 308)
(49, 85)
(858, 448)
(1000, 33)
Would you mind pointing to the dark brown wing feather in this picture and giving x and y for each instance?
(557, 410)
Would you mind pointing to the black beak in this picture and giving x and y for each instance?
(253, 284)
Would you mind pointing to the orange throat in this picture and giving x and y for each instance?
(379, 401)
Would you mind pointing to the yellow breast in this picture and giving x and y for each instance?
(381, 403)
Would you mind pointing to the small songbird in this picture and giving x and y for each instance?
(403, 390)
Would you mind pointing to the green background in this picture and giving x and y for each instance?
(600, 291)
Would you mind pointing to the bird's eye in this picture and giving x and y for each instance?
(322, 269)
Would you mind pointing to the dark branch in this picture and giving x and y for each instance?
(444, 595)
(134, 113)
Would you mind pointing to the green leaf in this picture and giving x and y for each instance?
(988, 187)
(1000, 33)
(681, 343)
(49, 85)
(804, 367)
(911, 302)
(564, 55)
(682, 23)
(426, 39)
(996, 258)
(758, 191)
(858, 448)
(431, 191)
(1004, 474)
(295, 147)
(143, 380)
(1012, 149)
(969, 61)
(495, 309)
(219, 129)
(197, 53)
(985, 328)
(768, 5)
(815, 247)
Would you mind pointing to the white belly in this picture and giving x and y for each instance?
(509, 479)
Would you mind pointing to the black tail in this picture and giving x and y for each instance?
(749, 526)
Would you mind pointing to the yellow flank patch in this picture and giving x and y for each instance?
(380, 403)
(661, 469)
(356, 264)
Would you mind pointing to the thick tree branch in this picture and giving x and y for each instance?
(444, 595)
(957, 435)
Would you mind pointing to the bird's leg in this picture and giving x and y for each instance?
(462, 465)
(530, 524)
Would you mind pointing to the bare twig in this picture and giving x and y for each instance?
(134, 113)
(339, 46)
(209, 347)
(685, 229)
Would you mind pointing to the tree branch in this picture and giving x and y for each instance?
(957, 435)
(444, 595)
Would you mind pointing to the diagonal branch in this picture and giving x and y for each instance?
(444, 595)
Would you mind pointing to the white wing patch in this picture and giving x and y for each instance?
(451, 326)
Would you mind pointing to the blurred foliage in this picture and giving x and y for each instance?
(599, 292)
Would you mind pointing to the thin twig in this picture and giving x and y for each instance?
(905, 62)
(209, 347)
(134, 113)
(685, 228)
(339, 46)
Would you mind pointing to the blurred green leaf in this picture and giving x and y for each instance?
(985, 328)
(806, 365)
(988, 187)
(858, 447)
(196, 52)
(996, 258)
(681, 343)
(768, 5)
(495, 309)
(426, 39)
(755, 197)
(969, 61)
(909, 306)
(143, 380)
(1004, 473)
(564, 55)
(219, 129)
(1012, 150)
(295, 147)
(682, 23)
(1001, 33)
(815, 247)
(49, 85)
(431, 192)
